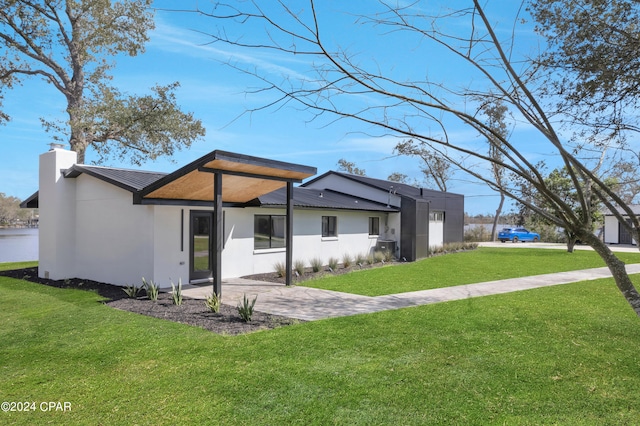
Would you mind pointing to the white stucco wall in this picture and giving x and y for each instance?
(91, 229)
(611, 230)
(240, 258)
(436, 234)
(56, 199)
(114, 238)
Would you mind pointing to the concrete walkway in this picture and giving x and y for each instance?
(313, 304)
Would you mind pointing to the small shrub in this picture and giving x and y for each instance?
(298, 266)
(360, 259)
(176, 293)
(378, 257)
(370, 260)
(245, 308)
(477, 233)
(333, 263)
(280, 268)
(436, 249)
(316, 264)
(213, 302)
(131, 291)
(388, 256)
(346, 260)
(151, 288)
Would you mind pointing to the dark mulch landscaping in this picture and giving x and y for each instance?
(192, 312)
(308, 274)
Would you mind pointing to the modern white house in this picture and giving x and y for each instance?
(614, 232)
(224, 215)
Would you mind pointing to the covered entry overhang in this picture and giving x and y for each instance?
(225, 177)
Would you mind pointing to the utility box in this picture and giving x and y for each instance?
(386, 245)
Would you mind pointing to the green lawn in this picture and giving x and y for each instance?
(480, 265)
(17, 265)
(558, 355)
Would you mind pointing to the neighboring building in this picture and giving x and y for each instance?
(116, 225)
(614, 232)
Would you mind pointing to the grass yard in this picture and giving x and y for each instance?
(17, 265)
(558, 355)
(480, 265)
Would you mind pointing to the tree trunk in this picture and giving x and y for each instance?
(78, 140)
(494, 230)
(617, 268)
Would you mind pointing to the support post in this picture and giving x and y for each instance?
(289, 234)
(218, 234)
(428, 226)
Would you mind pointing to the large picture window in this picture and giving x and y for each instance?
(269, 232)
(329, 226)
(374, 226)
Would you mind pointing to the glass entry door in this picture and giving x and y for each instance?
(200, 245)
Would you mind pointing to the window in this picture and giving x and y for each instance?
(268, 232)
(436, 217)
(374, 226)
(329, 226)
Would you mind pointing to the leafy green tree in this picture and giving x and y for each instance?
(592, 62)
(69, 44)
(410, 103)
(561, 183)
(10, 211)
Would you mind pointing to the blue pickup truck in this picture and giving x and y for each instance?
(518, 234)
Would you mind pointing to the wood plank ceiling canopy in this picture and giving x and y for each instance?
(244, 178)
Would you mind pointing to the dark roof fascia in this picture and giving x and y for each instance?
(225, 156)
(185, 203)
(258, 161)
(31, 202)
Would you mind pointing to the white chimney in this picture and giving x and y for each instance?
(57, 206)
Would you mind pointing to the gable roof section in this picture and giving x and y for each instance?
(130, 180)
(322, 199)
(635, 208)
(384, 185)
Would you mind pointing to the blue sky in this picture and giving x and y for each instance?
(216, 94)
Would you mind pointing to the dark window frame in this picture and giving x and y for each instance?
(374, 226)
(273, 238)
(329, 226)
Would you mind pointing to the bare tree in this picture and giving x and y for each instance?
(496, 112)
(436, 168)
(410, 105)
(350, 167)
(398, 177)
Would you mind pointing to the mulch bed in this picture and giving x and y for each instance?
(192, 312)
(308, 274)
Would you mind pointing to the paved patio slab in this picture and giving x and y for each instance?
(313, 304)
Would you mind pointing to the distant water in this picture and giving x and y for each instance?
(18, 244)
